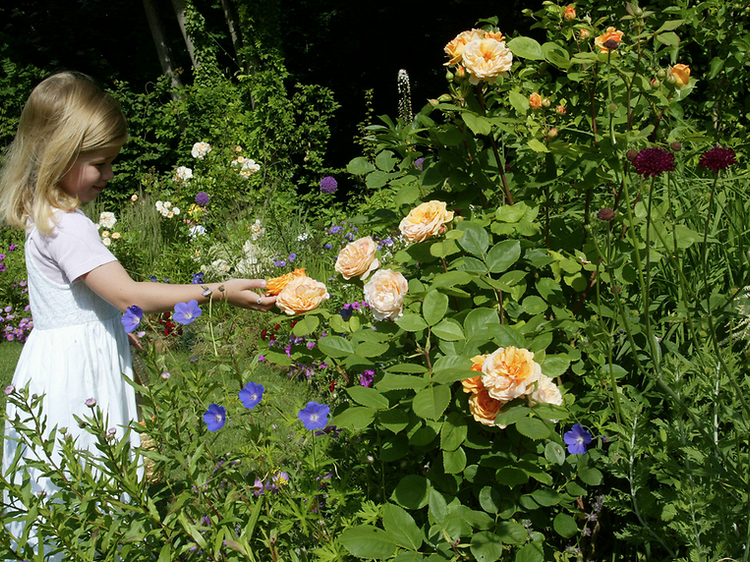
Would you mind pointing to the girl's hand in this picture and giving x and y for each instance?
(240, 292)
(134, 341)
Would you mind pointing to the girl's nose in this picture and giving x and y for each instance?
(107, 173)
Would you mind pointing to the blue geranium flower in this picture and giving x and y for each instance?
(251, 395)
(131, 318)
(215, 417)
(186, 312)
(314, 415)
(577, 439)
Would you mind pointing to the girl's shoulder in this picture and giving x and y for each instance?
(72, 221)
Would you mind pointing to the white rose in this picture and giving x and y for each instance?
(183, 173)
(384, 293)
(107, 219)
(200, 149)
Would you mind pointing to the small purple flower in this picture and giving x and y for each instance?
(91, 402)
(292, 257)
(717, 159)
(12, 247)
(328, 185)
(327, 246)
(335, 229)
(279, 263)
(186, 312)
(251, 395)
(314, 415)
(198, 278)
(202, 198)
(131, 318)
(577, 439)
(258, 487)
(10, 389)
(215, 417)
(366, 378)
(419, 163)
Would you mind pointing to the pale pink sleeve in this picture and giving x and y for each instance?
(75, 245)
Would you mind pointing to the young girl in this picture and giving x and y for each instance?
(69, 133)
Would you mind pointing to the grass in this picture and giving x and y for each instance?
(9, 354)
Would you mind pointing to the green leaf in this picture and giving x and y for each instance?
(670, 25)
(385, 161)
(305, 325)
(335, 346)
(475, 239)
(393, 420)
(502, 255)
(449, 330)
(546, 497)
(510, 476)
(554, 453)
(368, 397)
(407, 195)
(478, 125)
(378, 179)
(668, 38)
(281, 359)
(519, 101)
(411, 322)
(550, 412)
(512, 414)
(454, 462)
(365, 541)
(400, 382)
(532, 552)
(511, 532)
(434, 307)
(565, 525)
(536, 145)
(360, 166)
(431, 402)
(555, 365)
(394, 448)
(506, 336)
(357, 417)
(591, 476)
(453, 433)
(401, 527)
(556, 55)
(371, 349)
(526, 48)
(486, 546)
(533, 428)
(412, 491)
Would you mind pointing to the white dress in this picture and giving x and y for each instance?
(77, 350)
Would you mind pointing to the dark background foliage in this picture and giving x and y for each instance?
(349, 47)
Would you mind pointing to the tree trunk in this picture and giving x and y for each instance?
(162, 47)
(179, 10)
(234, 31)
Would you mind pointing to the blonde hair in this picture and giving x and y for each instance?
(66, 115)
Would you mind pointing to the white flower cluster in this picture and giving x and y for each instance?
(107, 237)
(183, 173)
(257, 230)
(247, 166)
(200, 149)
(224, 263)
(197, 230)
(166, 209)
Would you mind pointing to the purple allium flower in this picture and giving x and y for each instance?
(202, 198)
(718, 159)
(215, 417)
(251, 395)
(131, 318)
(419, 163)
(653, 161)
(314, 415)
(186, 312)
(577, 439)
(328, 185)
(366, 378)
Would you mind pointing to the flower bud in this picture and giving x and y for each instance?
(445, 98)
(675, 146)
(546, 103)
(560, 109)
(552, 133)
(631, 154)
(661, 74)
(612, 107)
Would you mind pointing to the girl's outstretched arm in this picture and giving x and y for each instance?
(111, 282)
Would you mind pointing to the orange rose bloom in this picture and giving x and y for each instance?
(611, 34)
(681, 75)
(570, 12)
(509, 373)
(484, 408)
(358, 258)
(474, 384)
(425, 221)
(276, 285)
(455, 49)
(487, 59)
(535, 101)
(301, 295)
